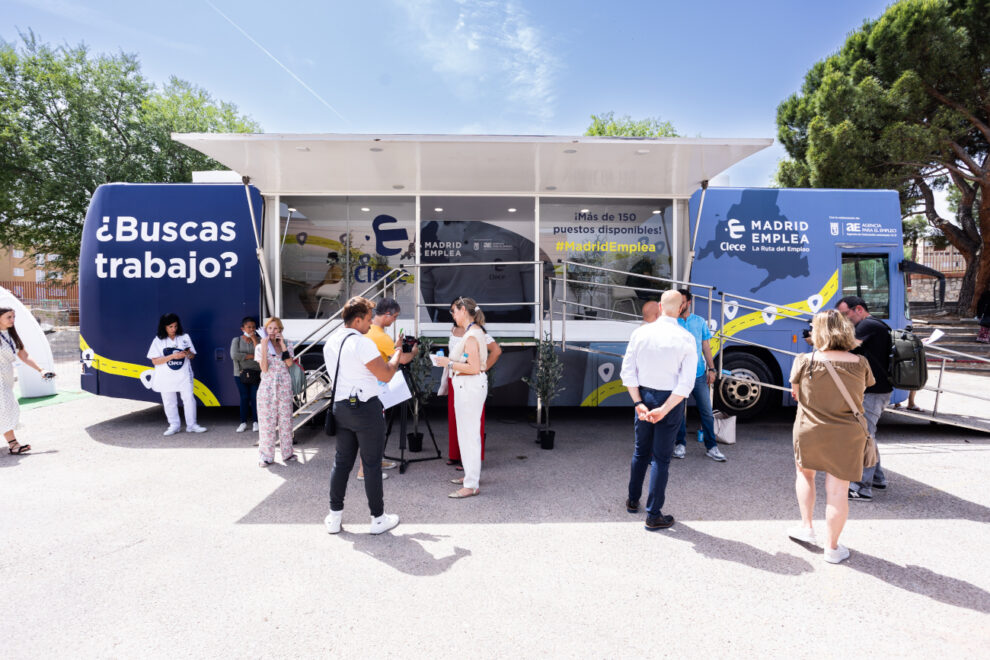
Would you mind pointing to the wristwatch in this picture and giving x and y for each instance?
(636, 403)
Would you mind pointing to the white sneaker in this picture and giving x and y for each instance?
(803, 534)
(716, 455)
(195, 428)
(254, 427)
(679, 451)
(840, 554)
(384, 477)
(242, 428)
(332, 521)
(383, 523)
(172, 430)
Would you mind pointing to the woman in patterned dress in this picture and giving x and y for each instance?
(274, 403)
(11, 349)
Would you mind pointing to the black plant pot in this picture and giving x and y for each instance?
(546, 439)
(415, 441)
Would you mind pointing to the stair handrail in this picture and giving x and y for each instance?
(398, 271)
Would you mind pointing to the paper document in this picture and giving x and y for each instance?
(395, 391)
(935, 336)
(433, 359)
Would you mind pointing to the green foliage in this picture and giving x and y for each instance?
(606, 124)
(71, 121)
(903, 105)
(548, 371)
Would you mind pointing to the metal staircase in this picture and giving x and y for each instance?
(315, 398)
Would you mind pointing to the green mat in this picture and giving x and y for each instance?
(51, 400)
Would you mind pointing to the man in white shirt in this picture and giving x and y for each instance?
(658, 370)
(359, 412)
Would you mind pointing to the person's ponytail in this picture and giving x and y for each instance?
(474, 311)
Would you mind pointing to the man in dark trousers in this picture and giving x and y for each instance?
(875, 335)
(658, 370)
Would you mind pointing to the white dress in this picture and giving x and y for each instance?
(10, 413)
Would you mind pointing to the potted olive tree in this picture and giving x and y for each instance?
(545, 383)
(421, 375)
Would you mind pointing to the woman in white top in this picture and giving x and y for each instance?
(171, 352)
(468, 357)
(12, 349)
(357, 366)
(446, 387)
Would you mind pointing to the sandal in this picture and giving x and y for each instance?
(292, 457)
(457, 481)
(264, 464)
(15, 447)
(464, 492)
(453, 461)
(914, 408)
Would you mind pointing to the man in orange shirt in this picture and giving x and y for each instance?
(386, 312)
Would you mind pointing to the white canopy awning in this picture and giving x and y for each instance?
(482, 164)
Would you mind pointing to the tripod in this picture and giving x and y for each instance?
(403, 419)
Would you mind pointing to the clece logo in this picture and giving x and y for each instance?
(176, 364)
(383, 235)
(736, 229)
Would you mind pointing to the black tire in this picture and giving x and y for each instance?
(741, 399)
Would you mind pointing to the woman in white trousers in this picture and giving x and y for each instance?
(465, 366)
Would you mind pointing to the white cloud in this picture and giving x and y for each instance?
(487, 49)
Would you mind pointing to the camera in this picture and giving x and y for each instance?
(806, 333)
(408, 344)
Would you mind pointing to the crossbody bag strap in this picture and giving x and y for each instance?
(845, 395)
(340, 354)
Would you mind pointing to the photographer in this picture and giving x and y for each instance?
(386, 312)
(358, 411)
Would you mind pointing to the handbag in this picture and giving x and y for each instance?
(725, 428)
(330, 423)
(298, 377)
(250, 376)
(870, 455)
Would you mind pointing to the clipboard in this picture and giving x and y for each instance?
(395, 391)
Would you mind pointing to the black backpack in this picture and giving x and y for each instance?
(908, 369)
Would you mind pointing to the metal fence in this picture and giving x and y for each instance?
(55, 303)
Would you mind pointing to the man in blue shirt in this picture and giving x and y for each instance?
(704, 377)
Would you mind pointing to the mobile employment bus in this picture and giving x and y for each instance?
(561, 235)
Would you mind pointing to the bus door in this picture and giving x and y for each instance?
(868, 273)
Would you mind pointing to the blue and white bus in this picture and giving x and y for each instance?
(566, 237)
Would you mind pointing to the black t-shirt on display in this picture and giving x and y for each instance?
(875, 336)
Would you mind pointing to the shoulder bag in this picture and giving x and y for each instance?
(330, 423)
(870, 455)
(250, 376)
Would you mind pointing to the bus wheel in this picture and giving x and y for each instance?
(739, 397)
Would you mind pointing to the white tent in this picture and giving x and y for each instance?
(30, 381)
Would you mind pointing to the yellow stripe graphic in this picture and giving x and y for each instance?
(754, 319)
(603, 392)
(129, 370)
(733, 327)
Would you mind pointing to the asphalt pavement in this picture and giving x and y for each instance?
(118, 542)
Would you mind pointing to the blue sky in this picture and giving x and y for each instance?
(714, 69)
